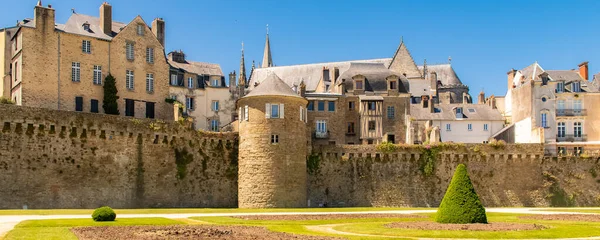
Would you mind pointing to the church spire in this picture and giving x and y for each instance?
(242, 80)
(267, 60)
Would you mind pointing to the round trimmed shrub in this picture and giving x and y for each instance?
(461, 204)
(104, 214)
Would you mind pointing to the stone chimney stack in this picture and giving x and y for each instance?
(232, 80)
(158, 28)
(583, 70)
(481, 98)
(44, 18)
(431, 106)
(302, 89)
(106, 18)
(424, 101)
(511, 77)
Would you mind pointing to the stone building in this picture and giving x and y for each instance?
(554, 107)
(63, 66)
(201, 88)
(273, 147)
(5, 61)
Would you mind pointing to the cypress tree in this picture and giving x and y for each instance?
(109, 103)
(461, 204)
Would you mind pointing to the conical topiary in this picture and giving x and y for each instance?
(461, 204)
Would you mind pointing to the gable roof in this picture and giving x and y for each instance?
(404, 63)
(272, 85)
(75, 25)
(376, 75)
(200, 68)
(482, 112)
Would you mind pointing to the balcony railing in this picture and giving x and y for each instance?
(570, 112)
(571, 138)
(321, 135)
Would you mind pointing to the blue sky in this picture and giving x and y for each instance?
(484, 38)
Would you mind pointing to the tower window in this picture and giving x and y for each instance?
(140, 30)
(274, 139)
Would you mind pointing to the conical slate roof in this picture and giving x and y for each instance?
(272, 85)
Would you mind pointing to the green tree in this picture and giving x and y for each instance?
(461, 204)
(109, 103)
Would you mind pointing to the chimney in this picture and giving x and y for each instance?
(511, 77)
(232, 81)
(431, 107)
(44, 18)
(583, 70)
(158, 28)
(433, 80)
(481, 98)
(177, 56)
(302, 89)
(424, 101)
(465, 98)
(106, 18)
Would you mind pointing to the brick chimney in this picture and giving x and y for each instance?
(583, 70)
(106, 18)
(158, 28)
(511, 76)
(481, 98)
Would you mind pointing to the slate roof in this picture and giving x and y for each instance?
(481, 112)
(75, 25)
(376, 76)
(564, 75)
(200, 68)
(533, 72)
(272, 85)
(311, 74)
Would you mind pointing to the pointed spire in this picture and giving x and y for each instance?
(242, 80)
(403, 62)
(267, 59)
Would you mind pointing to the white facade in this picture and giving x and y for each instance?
(460, 131)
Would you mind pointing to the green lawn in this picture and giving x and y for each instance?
(573, 210)
(59, 229)
(192, 210)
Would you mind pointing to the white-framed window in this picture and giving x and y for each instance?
(215, 83)
(577, 105)
(129, 50)
(190, 82)
(97, 75)
(576, 86)
(485, 127)
(560, 104)
(470, 127)
(149, 82)
(448, 127)
(215, 106)
(321, 126)
(274, 138)
(562, 129)
(560, 87)
(75, 71)
(140, 30)
(359, 84)
(246, 113)
(174, 79)
(544, 120)
(189, 103)
(214, 125)
(302, 114)
(129, 79)
(577, 129)
(150, 55)
(86, 46)
(391, 112)
(459, 113)
(273, 110)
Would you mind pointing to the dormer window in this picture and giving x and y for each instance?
(86, 26)
(393, 85)
(560, 87)
(215, 83)
(576, 86)
(359, 85)
(459, 113)
(545, 79)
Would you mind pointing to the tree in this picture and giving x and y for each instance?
(461, 204)
(109, 103)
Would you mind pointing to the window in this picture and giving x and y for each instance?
(129, 108)
(371, 105)
(321, 126)
(246, 113)
(150, 110)
(189, 103)
(391, 112)
(86, 46)
(578, 151)
(351, 105)
(470, 127)
(214, 125)
(459, 112)
(544, 120)
(351, 127)
(311, 105)
(485, 127)
(16, 71)
(577, 105)
(359, 85)
(448, 127)
(562, 151)
(149, 82)
(544, 99)
(560, 87)
(150, 55)
(215, 106)
(215, 83)
(16, 42)
(562, 130)
(274, 139)
(129, 79)
(471, 110)
(140, 30)
(302, 114)
(576, 86)
(321, 106)
(97, 75)
(86, 26)
(371, 125)
(393, 85)
(129, 50)
(190, 82)
(577, 131)
(75, 71)
(78, 104)
(331, 106)
(94, 106)
(274, 110)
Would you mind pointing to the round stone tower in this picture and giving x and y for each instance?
(273, 147)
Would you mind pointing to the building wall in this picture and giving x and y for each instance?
(203, 98)
(272, 175)
(459, 131)
(3, 60)
(592, 120)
